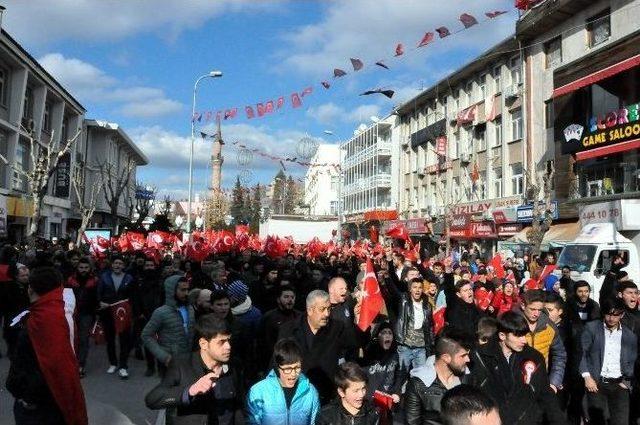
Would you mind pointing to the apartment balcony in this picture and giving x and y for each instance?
(382, 148)
(381, 181)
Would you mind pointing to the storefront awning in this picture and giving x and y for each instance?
(557, 235)
(597, 76)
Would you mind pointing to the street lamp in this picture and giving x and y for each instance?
(212, 74)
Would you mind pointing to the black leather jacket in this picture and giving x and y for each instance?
(405, 317)
(334, 414)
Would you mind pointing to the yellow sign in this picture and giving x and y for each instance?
(19, 207)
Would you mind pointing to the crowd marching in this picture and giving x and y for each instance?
(239, 330)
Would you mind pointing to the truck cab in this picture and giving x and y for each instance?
(591, 254)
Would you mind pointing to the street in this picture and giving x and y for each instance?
(110, 400)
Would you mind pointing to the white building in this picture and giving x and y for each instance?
(321, 183)
(108, 143)
(368, 172)
(31, 97)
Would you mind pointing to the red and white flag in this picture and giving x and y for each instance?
(121, 313)
(438, 312)
(372, 301)
(466, 116)
(398, 232)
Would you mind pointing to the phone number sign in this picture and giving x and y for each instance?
(619, 212)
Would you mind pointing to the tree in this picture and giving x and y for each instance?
(539, 192)
(256, 209)
(162, 221)
(277, 203)
(237, 203)
(116, 183)
(45, 158)
(86, 206)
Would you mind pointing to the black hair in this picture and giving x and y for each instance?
(117, 257)
(451, 340)
(487, 328)
(460, 403)
(349, 372)
(533, 296)
(611, 304)
(286, 351)
(555, 299)
(580, 284)
(84, 260)
(626, 284)
(209, 327)
(415, 280)
(45, 279)
(285, 288)
(459, 284)
(513, 323)
(219, 295)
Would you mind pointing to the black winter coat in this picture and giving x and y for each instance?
(335, 414)
(216, 407)
(521, 400)
(463, 316)
(383, 369)
(319, 362)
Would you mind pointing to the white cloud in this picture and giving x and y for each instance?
(89, 83)
(370, 30)
(46, 21)
(330, 113)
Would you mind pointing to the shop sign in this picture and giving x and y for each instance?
(486, 206)
(525, 212)
(623, 213)
(63, 172)
(460, 221)
(482, 230)
(435, 168)
(19, 207)
(617, 126)
(3, 216)
(381, 215)
(354, 218)
(413, 225)
(505, 215)
(508, 229)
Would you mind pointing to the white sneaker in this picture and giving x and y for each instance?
(123, 373)
(112, 369)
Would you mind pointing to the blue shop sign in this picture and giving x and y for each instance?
(525, 212)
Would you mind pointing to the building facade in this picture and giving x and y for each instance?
(32, 100)
(582, 61)
(106, 145)
(369, 186)
(322, 180)
(462, 150)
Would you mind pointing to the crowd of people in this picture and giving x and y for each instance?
(244, 337)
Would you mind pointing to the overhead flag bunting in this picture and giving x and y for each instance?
(382, 64)
(468, 20)
(249, 111)
(388, 93)
(357, 64)
(426, 39)
(399, 50)
(325, 84)
(296, 102)
(306, 91)
(280, 102)
(443, 32)
(338, 73)
(495, 13)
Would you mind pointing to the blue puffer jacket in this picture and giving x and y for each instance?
(266, 404)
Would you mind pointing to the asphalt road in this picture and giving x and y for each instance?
(110, 400)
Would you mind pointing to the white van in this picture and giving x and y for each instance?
(590, 255)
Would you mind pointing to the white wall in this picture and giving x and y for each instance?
(302, 231)
(318, 191)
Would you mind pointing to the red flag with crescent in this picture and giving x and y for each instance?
(121, 313)
(372, 300)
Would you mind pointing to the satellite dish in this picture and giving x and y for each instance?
(362, 127)
(328, 132)
(374, 119)
(356, 132)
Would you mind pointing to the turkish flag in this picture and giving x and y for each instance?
(398, 232)
(438, 312)
(121, 313)
(483, 298)
(372, 301)
(548, 269)
(103, 243)
(97, 333)
(373, 234)
(498, 269)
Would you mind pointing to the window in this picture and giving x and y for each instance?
(553, 52)
(517, 179)
(514, 66)
(606, 259)
(482, 139)
(27, 107)
(599, 28)
(481, 185)
(334, 207)
(548, 113)
(64, 136)
(18, 181)
(4, 86)
(516, 125)
(497, 81)
(497, 182)
(46, 125)
(455, 190)
(482, 86)
(470, 93)
(456, 141)
(497, 140)
(456, 102)
(334, 183)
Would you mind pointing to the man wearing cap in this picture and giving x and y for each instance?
(248, 317)
(609, 351)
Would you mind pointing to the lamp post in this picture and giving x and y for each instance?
(212, 74)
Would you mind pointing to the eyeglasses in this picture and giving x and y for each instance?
(290, 370)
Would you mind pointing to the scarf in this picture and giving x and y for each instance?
(49, 334)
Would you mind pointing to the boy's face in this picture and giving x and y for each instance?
(353, 395)
(555, 313)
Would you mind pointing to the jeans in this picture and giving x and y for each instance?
(411, 357)
(110, 335)
(612, 402)
(85, 324)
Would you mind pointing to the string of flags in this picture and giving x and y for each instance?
(282, 159)
(296, 98)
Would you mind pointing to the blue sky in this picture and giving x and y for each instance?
(135, 62)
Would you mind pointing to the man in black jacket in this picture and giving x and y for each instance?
(428, 383)
(515, 376)
(581, 308)
(272, 321)
(322, 341)
(203, 387)
(462, 312)
(351, 407)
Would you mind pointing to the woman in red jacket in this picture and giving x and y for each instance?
(505, 299)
